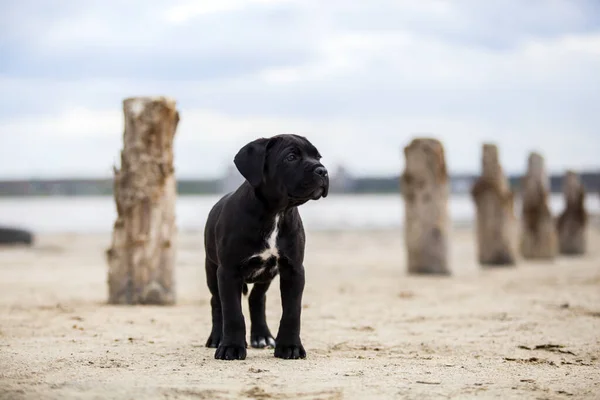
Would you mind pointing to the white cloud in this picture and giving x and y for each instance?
(342, 73)
(74, 122)
(86, 142)
(186, 11)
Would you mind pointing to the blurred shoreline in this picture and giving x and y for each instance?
(337, 212)
(342, 182)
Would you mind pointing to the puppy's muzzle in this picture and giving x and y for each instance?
(323, 179)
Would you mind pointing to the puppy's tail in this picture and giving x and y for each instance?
(245, 289)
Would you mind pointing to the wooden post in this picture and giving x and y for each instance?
(572, 222)
(425, 191)
(495, 213)
(538, 236)
(142, 254)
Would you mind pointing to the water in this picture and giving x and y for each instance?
(97, 214)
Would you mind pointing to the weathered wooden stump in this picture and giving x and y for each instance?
(495, 220)
(425, 190)
(572, 222)
(142, 254)
(538, 232)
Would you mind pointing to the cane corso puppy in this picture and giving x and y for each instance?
(255, 233)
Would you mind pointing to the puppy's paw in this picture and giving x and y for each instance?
(230, 352)
(262, 341)
(260, 337)
(213, 340)
(290, 352)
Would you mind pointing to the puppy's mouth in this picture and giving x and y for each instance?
(318, 193)
(321, 191)
(312, 191)
(314, 194)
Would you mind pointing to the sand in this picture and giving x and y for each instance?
(370, 331)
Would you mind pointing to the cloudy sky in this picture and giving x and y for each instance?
(358, 78)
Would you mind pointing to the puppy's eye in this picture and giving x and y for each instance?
(291, 157)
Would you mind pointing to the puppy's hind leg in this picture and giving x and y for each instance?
(215, 303)
(260, 335)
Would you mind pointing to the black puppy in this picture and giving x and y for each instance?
(255, 233)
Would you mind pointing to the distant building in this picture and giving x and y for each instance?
(231, 181)
(341, 181)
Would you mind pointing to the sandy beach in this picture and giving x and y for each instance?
(370, 331)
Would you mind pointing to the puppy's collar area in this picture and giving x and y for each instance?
(273, 204)
(296, 201)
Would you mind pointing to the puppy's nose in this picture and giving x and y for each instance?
(321, 171)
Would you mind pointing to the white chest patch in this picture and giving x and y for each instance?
(271, 250)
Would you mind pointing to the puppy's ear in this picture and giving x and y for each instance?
(250, 161)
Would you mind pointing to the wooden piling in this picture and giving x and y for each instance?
(425, 190)
(495, 220)
(142, 254)
(538, 233)
(572, 222)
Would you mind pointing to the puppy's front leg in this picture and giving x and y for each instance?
(233, 343)
(288, 344)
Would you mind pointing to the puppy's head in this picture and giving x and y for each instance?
(285, 166)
